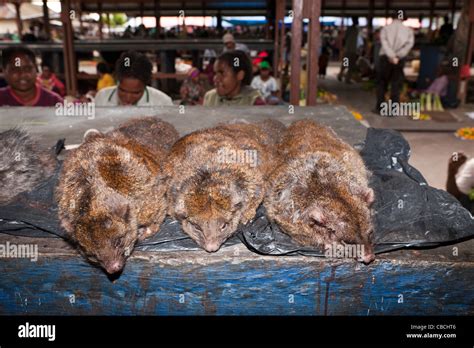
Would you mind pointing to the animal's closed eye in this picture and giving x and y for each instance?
(196, 226)
(118, 242)
(224, 226)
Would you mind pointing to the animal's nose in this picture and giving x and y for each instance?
(368, 258)
(211, 247)
(114, 267)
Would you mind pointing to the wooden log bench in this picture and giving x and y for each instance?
(233, 281)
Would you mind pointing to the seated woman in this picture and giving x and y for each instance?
(20, 72)
(133, 74)
(266, 84)
(233, 75)
(50, 81)
(192, 90)
(105, 78)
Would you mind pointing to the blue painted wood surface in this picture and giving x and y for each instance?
(183, 284)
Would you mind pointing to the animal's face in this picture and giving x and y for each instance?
(107, 237)
(326, 215)
(210, 233)
(210, 209)
(342, 221)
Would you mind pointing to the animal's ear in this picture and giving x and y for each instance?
(318, 215)
(237, 195)
(369, 196)
(67, 225)
(119, 207)
(180, 211)
(122, 210)
(91, 134)
(108, 223)
(284, 193)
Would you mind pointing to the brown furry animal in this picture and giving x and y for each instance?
(150, 132)
(23, 164)
(217, 179)
(320, 194)
(110, 193)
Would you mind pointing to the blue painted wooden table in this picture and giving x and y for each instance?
(236, 281)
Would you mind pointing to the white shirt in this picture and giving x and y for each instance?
(397, 40)
(238, 47)
(465, 177)
(151, 97)
(265, 87)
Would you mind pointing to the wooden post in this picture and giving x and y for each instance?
(219, 20)
(268, 19)
(79, 14)
(432, 5)
(313, 52)
(157, 17)
(343, 13)
(296, 37)
(465, 33)
(108, 25)
(68, 50)
(282, 60)
(99, 8)
(470, 41)
(47, 27)
(277, 51)
(19, 23)
(387, 9)
(370, 18)
(183, 6)
(453, 11)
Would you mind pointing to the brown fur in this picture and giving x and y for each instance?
(211, 194)
(110, 192)
(320, 193)
(23, 164)
(150, 132)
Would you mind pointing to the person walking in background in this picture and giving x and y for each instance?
(323, 62)
(445, 31)
(231, 45)
(349, 58)
(397, 41)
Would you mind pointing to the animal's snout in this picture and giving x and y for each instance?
(368, 258)
(212, 247)
(113, 267)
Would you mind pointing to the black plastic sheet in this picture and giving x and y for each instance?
(407, 212)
